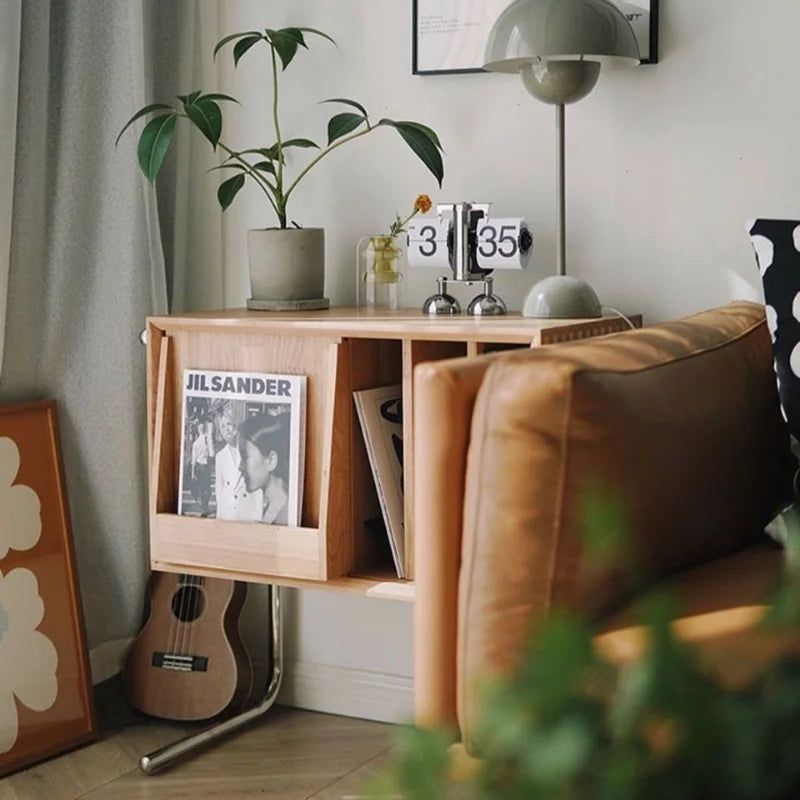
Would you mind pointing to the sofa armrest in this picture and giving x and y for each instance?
(444, 396)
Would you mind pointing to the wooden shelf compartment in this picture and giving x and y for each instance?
(320, 549)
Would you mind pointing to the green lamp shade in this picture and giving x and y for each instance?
(530, 31)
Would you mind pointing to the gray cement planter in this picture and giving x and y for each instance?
(287, 269)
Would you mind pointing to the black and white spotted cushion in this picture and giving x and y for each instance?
(777, 246)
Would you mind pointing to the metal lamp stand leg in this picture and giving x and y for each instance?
(160, 758)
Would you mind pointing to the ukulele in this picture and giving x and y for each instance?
(188, 661)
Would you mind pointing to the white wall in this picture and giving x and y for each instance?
(665, 165)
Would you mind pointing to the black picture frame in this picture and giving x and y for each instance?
(421, 69)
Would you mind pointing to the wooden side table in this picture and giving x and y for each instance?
(341, 350)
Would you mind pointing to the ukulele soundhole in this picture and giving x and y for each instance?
(188, 603)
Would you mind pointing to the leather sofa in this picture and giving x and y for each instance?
(676, 427)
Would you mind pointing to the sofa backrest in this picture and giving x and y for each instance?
(670, 435)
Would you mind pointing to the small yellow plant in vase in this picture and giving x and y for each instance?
(379, 262)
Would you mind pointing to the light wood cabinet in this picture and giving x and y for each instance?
(341, 351)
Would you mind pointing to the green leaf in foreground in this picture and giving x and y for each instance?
(153, 144)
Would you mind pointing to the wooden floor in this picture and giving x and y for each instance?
(289, 754)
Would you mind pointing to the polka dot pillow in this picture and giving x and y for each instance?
(777, 246)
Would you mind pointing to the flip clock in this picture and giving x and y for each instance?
(465, 239)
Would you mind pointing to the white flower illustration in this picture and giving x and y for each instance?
(20, 522)
(28, 659)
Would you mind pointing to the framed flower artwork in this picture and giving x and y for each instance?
(46, 703)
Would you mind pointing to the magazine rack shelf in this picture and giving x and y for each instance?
(341, 351)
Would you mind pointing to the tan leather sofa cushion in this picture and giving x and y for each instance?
(720, 607)
(677, 424)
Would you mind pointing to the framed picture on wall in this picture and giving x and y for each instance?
(450, 35)
(46, 703)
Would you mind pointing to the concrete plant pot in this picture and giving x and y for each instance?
(287, 269)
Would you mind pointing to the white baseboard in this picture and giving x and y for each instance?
(316, 687)
(347, 692)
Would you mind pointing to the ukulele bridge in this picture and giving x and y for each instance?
(180, 663)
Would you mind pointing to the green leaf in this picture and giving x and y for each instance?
(348, 103)
(556, 660)
(296, 143)
(188, 99)
(285, 42)
(264, 151)
(318, 33)
(272, 152)
(605, 525)
(218, 96)
(153, 144)
(240, 167)
(243, 45)
(228, 190)
(207, 117)
(559, 756)
(140, 113)
(222, 42)
(294, 33)
(265, 166)
(342, 124)
(429, 132)
(418, 138)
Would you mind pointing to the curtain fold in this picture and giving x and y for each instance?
(88, 249)
(10, 29)
(86, 268)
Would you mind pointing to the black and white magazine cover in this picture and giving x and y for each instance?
(242, 446)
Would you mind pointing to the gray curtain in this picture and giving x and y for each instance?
(85, 270)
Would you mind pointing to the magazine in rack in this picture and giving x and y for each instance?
(242, 446)
(380, 412)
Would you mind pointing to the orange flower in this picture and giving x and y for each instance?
(423, 203)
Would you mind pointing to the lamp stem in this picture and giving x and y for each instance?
(561, 255)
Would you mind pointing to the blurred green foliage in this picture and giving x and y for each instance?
(569, 725)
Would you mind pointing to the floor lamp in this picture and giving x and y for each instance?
(558, 47)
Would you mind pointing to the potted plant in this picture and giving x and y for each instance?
(286, 261)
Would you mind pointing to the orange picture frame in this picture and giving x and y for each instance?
(46, 700)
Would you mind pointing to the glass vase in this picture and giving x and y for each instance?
(379, 271)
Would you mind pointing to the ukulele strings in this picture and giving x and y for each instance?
(178, 614)
(172, 637)
(197, 582)
(185, 590)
